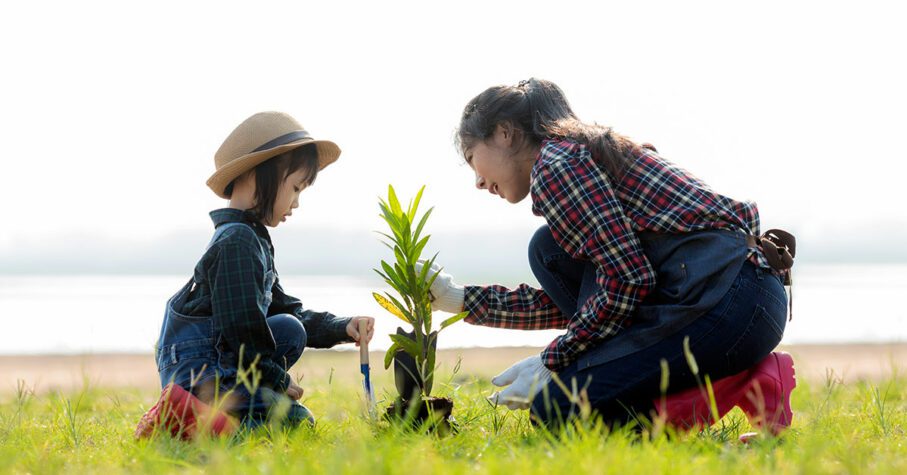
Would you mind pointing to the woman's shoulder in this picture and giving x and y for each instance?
(562, 153)
(556, 148)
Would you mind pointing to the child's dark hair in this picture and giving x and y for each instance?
(538, 110)
(273, 171)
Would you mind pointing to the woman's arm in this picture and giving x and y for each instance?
(586, 220)
(524, 308)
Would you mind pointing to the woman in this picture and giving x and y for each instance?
(638, 259)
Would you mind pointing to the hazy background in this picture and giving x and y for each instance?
(110, 114)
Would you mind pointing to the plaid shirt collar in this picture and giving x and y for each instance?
(233, 215)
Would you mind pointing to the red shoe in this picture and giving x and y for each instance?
(182, 414)
(767, 404)
(762, 392)
(690, 409)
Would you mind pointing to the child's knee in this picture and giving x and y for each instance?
(288, 330)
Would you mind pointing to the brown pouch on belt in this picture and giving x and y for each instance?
(779, 248)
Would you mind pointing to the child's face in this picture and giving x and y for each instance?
(287, 197)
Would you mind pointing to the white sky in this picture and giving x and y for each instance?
(110, 112)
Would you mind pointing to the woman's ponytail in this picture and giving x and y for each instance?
(539, 109)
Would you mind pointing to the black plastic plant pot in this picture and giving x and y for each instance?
(433, 414)
(407, 376)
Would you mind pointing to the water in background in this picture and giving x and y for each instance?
(99, 314)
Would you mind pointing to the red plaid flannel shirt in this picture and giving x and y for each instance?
(594, 219)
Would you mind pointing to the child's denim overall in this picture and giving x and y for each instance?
(190, 354)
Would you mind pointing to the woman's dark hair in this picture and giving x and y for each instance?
(538, 110)
(273, 171)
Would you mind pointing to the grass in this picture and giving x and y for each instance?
(838, 428)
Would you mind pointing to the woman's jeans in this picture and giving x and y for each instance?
(741, 330)
(189, 355)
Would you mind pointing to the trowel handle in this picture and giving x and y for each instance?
(363, 341)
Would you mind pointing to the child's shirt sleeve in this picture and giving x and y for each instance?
(323, 329)
(236, 290)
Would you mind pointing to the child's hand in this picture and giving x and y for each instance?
(352, 329)
(294, 392)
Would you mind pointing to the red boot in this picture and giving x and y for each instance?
(182, 414)
(762, 392)
(767, 405)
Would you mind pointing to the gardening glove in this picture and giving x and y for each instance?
(525, 379)
(445, 294)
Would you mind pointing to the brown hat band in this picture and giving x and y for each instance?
(283, 140)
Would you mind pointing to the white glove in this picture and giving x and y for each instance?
(526, 378)
(446, 295)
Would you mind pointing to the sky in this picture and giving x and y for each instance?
(110, 114)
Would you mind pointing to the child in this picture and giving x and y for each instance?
(233, 314)
(638, 260)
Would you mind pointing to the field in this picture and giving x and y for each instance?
(847, 420)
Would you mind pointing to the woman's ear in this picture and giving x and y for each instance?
(503, 135)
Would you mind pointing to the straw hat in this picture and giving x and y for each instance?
(258, 138)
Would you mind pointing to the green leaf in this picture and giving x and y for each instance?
(407, 345)
(390, 307)
(394, 202)
(414, 205)
(396, 228)
(392, 274)
(417, 249)
(387, 280)
(435, 276)
(389, 356)
(401, 259)
(405, 228)
(404, 278)
(426, 266)
(454, 319)
(422, 223)
(403, 308)
(390, 238)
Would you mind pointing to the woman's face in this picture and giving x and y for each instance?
(288, 197)
(498, 168)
